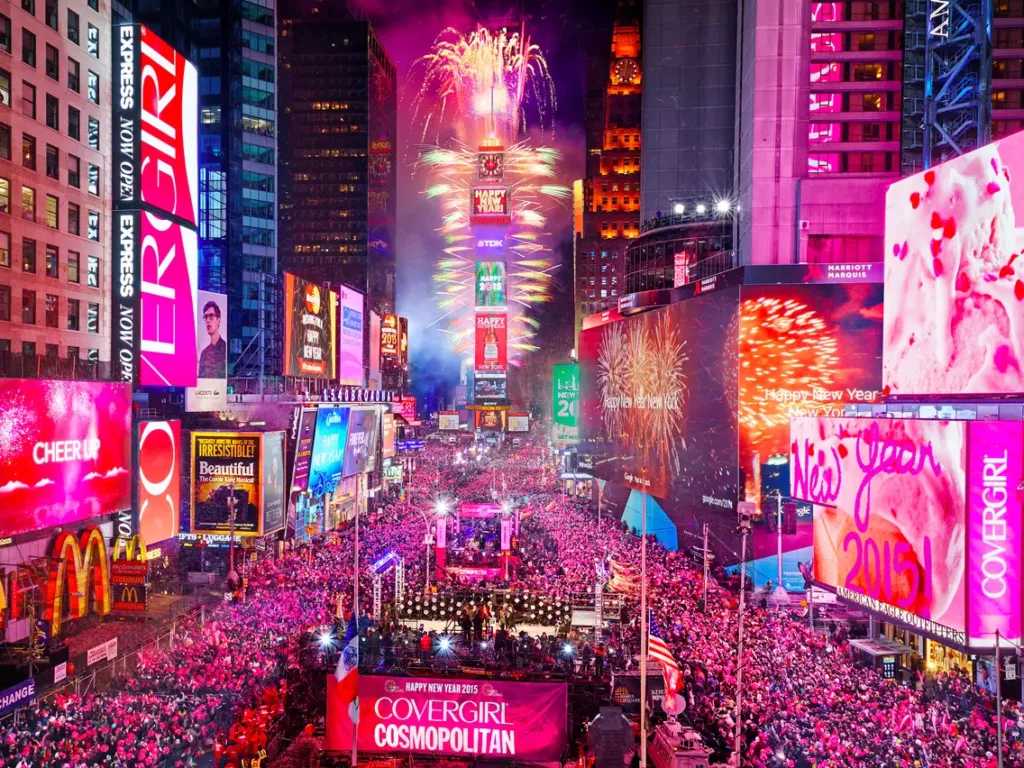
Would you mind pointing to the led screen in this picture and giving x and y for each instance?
(310, 329)
(227, 465)
(490, 389)
(518, 422)
(448, 420)
(65, 454)
(303, 449)
(329, 443)
(804, 350)
(954, 312)
(361, 447)
(491, 342)
(159, 480)
(889, 522)
(350, 337)
(658, 395)
(491, 279)
(387, 435)
(490, 205)
(273, 482)
(210, 392)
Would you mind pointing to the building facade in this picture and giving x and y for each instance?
(610, 194)
(338, 142)
(55, 177)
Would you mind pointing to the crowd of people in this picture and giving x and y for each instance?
(221, 687)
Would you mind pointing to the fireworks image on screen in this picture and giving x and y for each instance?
(488, 95)
(786, 351)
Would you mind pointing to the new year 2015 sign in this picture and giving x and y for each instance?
(491, 205)
(521, 721)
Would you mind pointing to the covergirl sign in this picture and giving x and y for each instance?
(522, 721)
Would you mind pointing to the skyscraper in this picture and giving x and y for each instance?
(611, 190)
(339, 125)
(55, 189)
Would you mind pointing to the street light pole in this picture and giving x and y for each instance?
(999, 702)
(744, 529)
(643, 622)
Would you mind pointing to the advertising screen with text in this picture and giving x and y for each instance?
(329, 443)
(890, 515)
(491, 342)
(66, 452)
(489, 719)
(159, 480)
(350, 336)
(310, 329)
(490, 205)
(226, 466)
(448, 420)
(954, 285)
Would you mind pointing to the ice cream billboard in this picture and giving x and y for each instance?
(387, 435)
(491, 279)
(361, 448)
(350, 336)
(226, 466)
(211, 390)
(805, 348)
(889, 517)
(273, 482)
(329, 443)
(460, 718)
(490, 205)
(310, 329)
(954, 286)
(491, 342)
(159, 480)
(65, 454)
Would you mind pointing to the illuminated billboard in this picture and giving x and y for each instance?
(310, 329)
(66, 452)
(226, 466)
(890, 515)
(329, 443)
(211, 390)
(490, 285)
(490, 165)
(448, 421)
(155, 304)
(490, 389)
(954, 285)
(501, 719)
(273, 482)
(373, 378)
(406, 408)
(565, 399)
(518, 422)
(490, 420)
(303, 449)
(159, 480)
(491, 342)
(361, 446)
(389, 341)
(491, 205)
(156, 114)
(387, 435)
(351, 308)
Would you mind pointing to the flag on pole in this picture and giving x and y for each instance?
(658, 650)
(342, 688)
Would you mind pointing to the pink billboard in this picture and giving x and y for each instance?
(889, 521)
(512, 721)
(65, 452)
(168, 303)
(954, 285)
(994, 474)
(479, 509)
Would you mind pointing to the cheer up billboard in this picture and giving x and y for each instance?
(65, 455)
(917, 520)
(458, 718)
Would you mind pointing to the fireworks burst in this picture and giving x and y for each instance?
(478, 89)
(784, 345)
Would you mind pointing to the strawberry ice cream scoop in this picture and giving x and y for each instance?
(954, 304)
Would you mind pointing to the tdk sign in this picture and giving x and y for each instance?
(490, 245)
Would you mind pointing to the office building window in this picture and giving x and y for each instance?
(94, 133)
(74, 124)
(50, 14)
(51, 312)
(5, 196)
(5, 249)
(94, 179)
(28, 47)
(5, 142)
(52, 112)
(73, 314)
(74, 171)
(28, 203)
(5, 303)
(51, 349)
(93, 226)
(28, 349)
(52, 63)
(52, 162)
(28, 307)
(74, 219)
(74, 75)
(52, 207)
(93, 87)
(28, 99)
(72, 26)
(52, 261)
(5, 87)
(73, 262)
(28, 255)
(92, 40)
(72, 353)
(5, 34)
(94, 4)
(94, 272)
(28, 151)
(92, 318)
(29, 6)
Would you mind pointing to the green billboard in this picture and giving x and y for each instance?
(490, 284)
(565, 403)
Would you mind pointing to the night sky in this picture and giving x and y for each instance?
(566, 32)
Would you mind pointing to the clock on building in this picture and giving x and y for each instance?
(626, 70)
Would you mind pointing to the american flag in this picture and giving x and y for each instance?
(658, 650)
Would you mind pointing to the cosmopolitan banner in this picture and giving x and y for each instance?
(521, 721)
(65, 454)
(994, 531)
